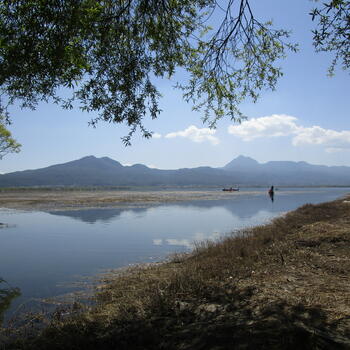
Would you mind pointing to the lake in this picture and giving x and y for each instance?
(44, 253)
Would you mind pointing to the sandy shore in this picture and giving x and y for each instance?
(61, 200)
(39, 199)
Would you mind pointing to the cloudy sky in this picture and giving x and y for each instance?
(307, 118)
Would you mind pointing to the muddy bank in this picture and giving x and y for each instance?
(60, 200)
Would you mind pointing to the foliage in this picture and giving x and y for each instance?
(7, 143)
(236, 62)
(108, 54)
(6, 296)
(333, 31)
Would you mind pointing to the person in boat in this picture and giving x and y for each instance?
(271, 193)
(231, 189)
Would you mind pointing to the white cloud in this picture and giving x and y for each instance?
(283, 125)
(333, 150)
(271, 126)
(156, 135)
(196, 135)
(333, 140)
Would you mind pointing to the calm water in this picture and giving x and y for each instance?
(42, 252)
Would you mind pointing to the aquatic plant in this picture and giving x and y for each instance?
(7, 294)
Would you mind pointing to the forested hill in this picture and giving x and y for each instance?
(92, 171)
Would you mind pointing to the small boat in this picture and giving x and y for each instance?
(231, 189)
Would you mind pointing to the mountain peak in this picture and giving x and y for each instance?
(87, 158)
(241, 162)
(241, 158)
(110, 161)
(139, 166)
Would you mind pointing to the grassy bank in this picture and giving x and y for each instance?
(284, 285)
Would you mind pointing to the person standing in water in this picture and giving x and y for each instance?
(271, 193)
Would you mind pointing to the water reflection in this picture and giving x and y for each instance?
(7, 294)
(157, 242)
(188, 243)
(102, 215)
(241, 206)
(271, 193)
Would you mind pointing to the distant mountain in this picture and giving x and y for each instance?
(289, 173)
(242, 162)
(92, 171)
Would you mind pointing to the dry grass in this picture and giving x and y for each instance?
(284, 285)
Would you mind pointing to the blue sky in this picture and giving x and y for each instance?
(305, 119)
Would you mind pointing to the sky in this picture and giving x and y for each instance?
(306, 118)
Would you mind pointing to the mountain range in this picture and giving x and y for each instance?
(241, 171)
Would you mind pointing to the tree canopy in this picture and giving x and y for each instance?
(108, 55)
(333, 31)
(7, 143)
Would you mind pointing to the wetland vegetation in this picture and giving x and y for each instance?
(7, 294)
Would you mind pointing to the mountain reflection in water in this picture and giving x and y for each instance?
(102, 215)
(242, 206)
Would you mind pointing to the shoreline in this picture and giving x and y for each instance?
(70, 200)
(60, 200)
(281, 285)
